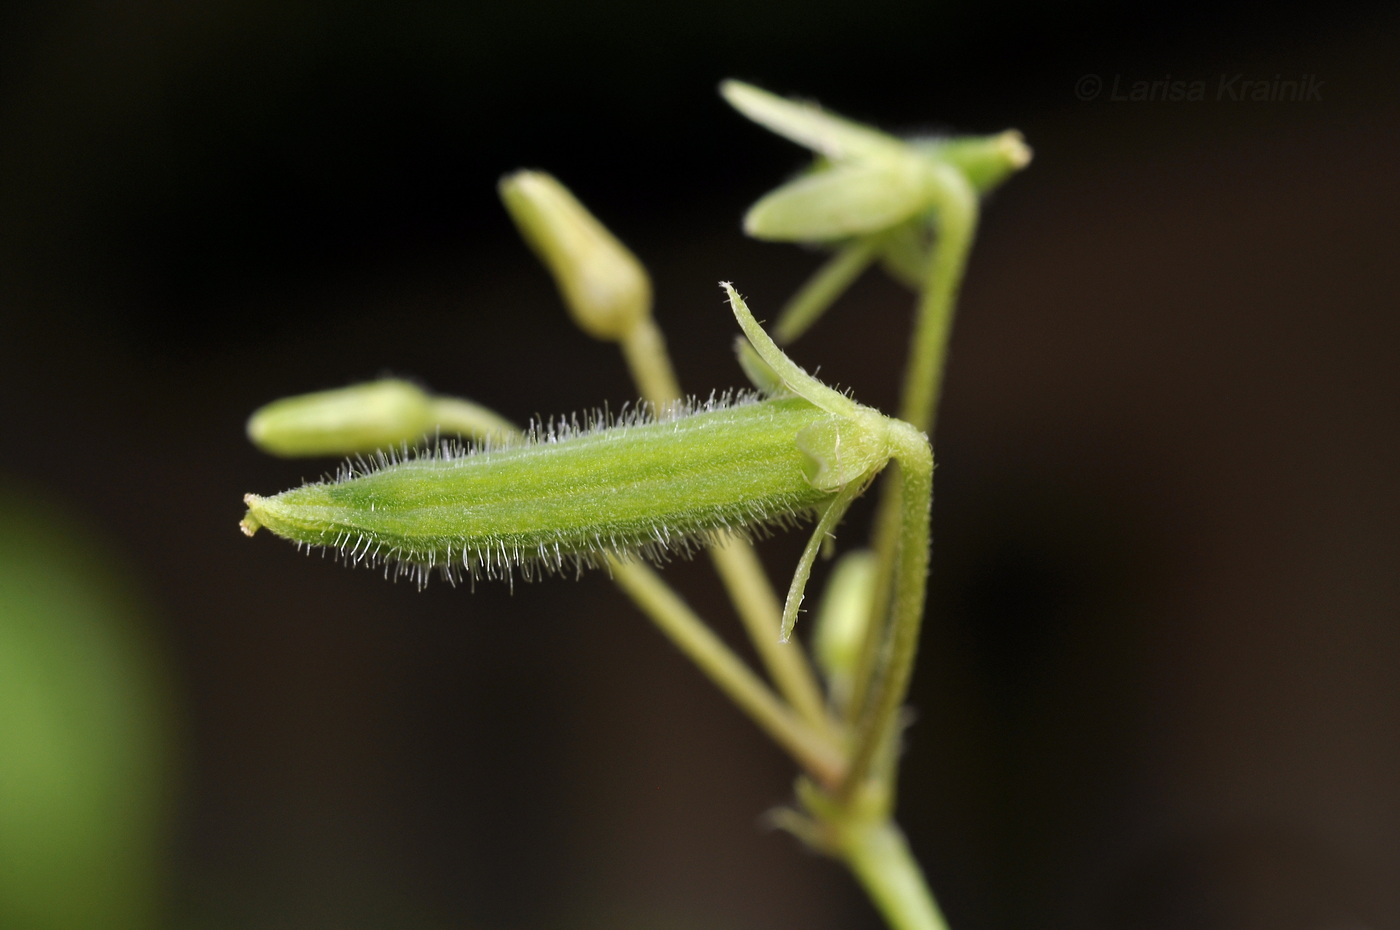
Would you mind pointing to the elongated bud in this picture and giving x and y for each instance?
(563, 499)
(359, 418)
(567, 497)
(604, 286)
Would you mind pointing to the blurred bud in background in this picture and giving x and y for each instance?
(365, 417)
(84, 738)
(359, 418)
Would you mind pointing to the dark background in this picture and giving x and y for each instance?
(1159, 683)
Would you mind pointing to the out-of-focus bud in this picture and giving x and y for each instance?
(359, 418)
(85, 729)
(842, 200)
(985, 160)
(842, 617)
(866, 182)
(604, 286)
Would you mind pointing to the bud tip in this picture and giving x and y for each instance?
(250, 524)
(1014, 148)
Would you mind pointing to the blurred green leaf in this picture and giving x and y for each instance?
(83, 743)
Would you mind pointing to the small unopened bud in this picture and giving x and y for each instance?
(359, 418)
(604, 286)
(986, 160)
(842, 618)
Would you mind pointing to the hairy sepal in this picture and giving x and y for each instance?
(842, 453)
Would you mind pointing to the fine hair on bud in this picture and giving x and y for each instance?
(575, 492)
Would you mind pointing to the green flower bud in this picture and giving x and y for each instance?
(842, 618)
(865, 181)
(604, 286)
(366, 417)
(359, 418)
(987, 161)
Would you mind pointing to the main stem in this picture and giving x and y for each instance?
(879, 857)
(956, 212)
(877, 726)
(955, 206)
(875, 849)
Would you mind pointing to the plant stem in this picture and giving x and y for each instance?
(877, 724)
(758, 606)
(955, 206)
(688, 632)
(455, 415)
(821, 290)
(956, 210)
(644, 348)
(753, 596)
(878, 855)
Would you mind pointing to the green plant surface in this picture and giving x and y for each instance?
(565, 497)
(84, 735)
(676, 475)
